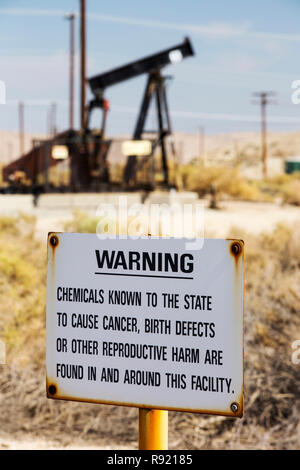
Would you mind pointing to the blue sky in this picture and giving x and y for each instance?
(240, 47)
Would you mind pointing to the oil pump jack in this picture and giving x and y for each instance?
(155, 89)
(88, 149)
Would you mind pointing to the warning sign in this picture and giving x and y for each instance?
(146, 322)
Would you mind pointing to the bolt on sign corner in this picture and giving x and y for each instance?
(146, 323)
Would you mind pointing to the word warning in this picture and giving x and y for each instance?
(146, 322)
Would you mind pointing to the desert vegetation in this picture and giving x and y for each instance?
(229, 183)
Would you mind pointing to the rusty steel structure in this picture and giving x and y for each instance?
(88, 148)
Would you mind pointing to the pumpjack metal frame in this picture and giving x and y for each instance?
(155, 90)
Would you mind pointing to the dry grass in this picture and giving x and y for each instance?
(225, 181)
(229, 183)
(272, 323)
(282, 187)
(291, 192)
(81, 223)
(22, 291)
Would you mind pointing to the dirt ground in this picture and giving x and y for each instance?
(253, 217)
(8, 443)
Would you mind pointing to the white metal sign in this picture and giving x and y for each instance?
(146, 322)
(137, 147)
(60, 152)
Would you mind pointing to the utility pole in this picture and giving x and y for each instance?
(263, 101)
(48, 122)
(21, 127)
(71, 17)
(51, 120)
(53, 113)
(83, 63)
(9, 152)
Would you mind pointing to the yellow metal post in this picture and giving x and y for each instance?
(153, 429)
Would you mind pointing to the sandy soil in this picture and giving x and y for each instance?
(253, 217)
(9, 443)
